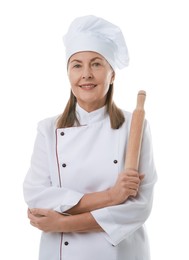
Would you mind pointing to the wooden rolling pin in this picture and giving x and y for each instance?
(136, 133)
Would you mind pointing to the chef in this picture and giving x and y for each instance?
(76, 188)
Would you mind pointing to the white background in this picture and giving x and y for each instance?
(33, 86)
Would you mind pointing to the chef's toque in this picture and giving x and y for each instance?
(91, 33)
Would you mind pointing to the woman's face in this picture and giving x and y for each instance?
(90, 76)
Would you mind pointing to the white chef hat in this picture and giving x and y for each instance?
(91, 33)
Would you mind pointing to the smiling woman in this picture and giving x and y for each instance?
(77, 190)
(91, 79)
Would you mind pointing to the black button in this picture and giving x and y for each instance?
(64, 165)
(115, 161)
(66, 243)
(62, 133)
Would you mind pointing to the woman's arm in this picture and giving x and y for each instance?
(127, 185)
(52, 221)
(121, 221)
(81, 219)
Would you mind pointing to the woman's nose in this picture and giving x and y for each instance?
(87, 74)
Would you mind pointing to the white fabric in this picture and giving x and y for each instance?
(91, 33)
(89, 152)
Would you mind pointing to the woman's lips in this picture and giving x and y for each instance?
(87, 86)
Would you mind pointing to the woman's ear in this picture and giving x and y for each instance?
(113, 77)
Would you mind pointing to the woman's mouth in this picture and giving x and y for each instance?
(87, 86)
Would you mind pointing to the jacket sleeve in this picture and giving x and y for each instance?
(122, 220)
(40, 190)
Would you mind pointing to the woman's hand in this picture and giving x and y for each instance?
(52, 221)
(127, 185)
(46, 220)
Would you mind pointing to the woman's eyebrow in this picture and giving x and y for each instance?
(95, 58)
(75, 61)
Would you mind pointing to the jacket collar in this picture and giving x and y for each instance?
(88, 118)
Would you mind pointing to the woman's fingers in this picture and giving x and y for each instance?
(39, 212)
(45, 219)
(127, 185)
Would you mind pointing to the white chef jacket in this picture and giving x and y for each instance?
(70, 162)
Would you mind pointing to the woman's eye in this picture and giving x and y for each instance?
(96, 64)
(77, 66)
